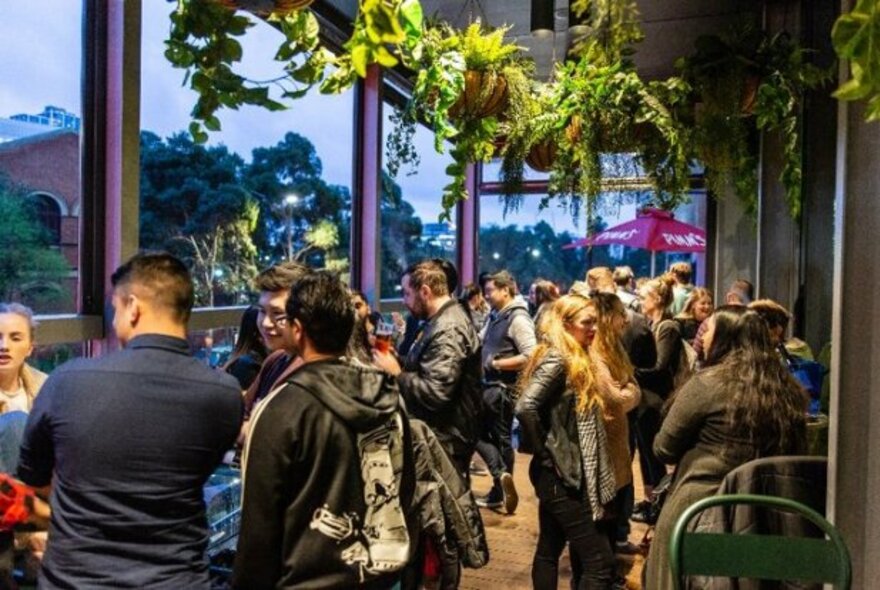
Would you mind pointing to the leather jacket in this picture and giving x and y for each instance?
(546, 414)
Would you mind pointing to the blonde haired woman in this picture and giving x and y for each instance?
(560, 413)
(19, 383)
(620, 394)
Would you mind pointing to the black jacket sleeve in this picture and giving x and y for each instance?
(659, 378)
(546, 382)
(271, 454)
(433, 383)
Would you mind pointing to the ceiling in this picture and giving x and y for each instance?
(670, 26)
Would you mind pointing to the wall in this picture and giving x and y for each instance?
(854, 471)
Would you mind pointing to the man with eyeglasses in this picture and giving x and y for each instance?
(274, 285)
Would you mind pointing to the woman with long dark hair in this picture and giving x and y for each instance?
(745, 405)
(249, 352)
(560, 412)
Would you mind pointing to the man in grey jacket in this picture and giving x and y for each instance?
(508, 339)
(440, 377)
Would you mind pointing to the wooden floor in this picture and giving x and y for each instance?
(512, 540)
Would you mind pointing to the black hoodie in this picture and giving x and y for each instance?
(303, 481)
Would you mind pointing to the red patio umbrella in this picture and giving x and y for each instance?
(654, 230)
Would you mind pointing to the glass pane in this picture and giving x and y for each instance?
(410, 210)
(269, 186)
(214, 346)
(47, 358)
(532, 243)
(40, 109)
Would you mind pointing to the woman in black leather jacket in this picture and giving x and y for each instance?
(558, 389)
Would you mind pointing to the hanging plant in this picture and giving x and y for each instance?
(386, 32)
(466, 83)
(748, 82)
(204, 41)
(856, 38)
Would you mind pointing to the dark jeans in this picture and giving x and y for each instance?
(564, 516)
(647, 427)
(494, 445)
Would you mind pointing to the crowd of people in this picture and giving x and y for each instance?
(357, 436)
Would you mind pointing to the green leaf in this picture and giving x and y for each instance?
(212, 123)
(852, 90)
(359, 60)
(198, 135)
(412, 15)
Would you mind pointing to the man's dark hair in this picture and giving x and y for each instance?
(470, 291)
(280, 277)
(361, 295)
(430, 273)
(744, 287)
(481, 280)
(503, 280)
(451, 273)
(322, 304)
(163, 279)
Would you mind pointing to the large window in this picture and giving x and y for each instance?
(534, 242)
(270, 186)
(410, 210)
(40, 120)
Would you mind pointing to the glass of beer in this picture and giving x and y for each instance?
(383, 334)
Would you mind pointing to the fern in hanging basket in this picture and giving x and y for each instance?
(466, 84)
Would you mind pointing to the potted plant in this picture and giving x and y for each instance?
(748, 82)
(466, 84)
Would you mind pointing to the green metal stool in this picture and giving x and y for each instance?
(762, 557)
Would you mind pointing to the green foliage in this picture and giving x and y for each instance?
(204, 41)
(31, 270)
(441, 61)
(856, 38)
(385, 31)
(749, 82)
(614, 30)
(590, 110)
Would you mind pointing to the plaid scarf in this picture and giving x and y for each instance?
(598, 473)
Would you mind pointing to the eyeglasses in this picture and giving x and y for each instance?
(278, 319)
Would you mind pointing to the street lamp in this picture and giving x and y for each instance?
(290, 201)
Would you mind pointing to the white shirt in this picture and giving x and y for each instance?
(16, 401)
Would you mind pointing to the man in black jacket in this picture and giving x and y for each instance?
(329, 472)
(440, 377)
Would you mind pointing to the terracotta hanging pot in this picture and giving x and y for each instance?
(749, 96)
(478, 99)
(542, 156)
(266, 7)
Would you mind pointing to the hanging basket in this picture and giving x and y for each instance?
(749, 96)
(266, 7)
(485, 95)
(542, 156)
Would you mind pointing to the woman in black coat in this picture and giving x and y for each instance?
(559, 396)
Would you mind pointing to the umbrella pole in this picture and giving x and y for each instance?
(653, 263)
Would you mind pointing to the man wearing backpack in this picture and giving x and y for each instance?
(328, 466)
